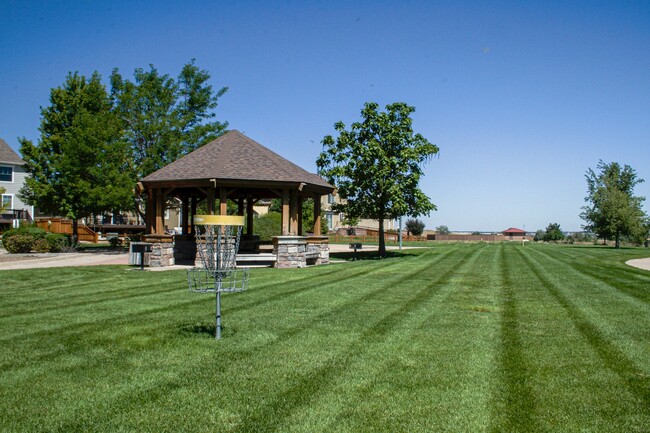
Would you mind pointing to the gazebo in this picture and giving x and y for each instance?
(237, 168)
(514, 233)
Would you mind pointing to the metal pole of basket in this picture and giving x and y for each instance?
(217, 242)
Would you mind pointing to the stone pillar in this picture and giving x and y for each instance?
(162, 250)
(290, 251)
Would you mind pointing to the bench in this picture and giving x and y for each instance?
(262, 259)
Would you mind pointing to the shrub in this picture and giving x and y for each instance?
(29, 230)
(134, 237)
(57, 241)
(268, 225)
(41, 246)
(442, 230)
(18, 243)
(114, 241)
(414, 226)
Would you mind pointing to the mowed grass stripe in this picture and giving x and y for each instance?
(627, 384)
(515, 404)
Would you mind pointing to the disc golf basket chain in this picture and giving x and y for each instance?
(217, 242)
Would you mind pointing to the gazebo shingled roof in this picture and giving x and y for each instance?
(234, 167)
(235, 157)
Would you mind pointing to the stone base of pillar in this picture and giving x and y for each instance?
(290, 251)
(162, 251)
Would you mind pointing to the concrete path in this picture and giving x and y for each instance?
(640, 263)
(57, 260)
(97, 258)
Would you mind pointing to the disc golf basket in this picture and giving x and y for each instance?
(217, 242)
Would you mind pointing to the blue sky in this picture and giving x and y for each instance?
(521, 97)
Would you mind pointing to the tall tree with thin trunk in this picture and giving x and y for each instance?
(165, 118)
(377, 165)
(613, 211)
(77, 168)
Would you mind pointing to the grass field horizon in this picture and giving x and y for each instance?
(457, 337)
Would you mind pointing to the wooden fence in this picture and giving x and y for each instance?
(388, 237)
(60, 225)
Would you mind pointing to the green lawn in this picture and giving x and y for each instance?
(459, 338)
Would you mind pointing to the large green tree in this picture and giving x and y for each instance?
(613, 211)
(77, 168)
(165, 118)
(553, 233)
(377, 164)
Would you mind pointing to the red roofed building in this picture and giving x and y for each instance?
(514, 234)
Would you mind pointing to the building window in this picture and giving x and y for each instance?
(330, 198)
(7, 202)
(6, 174)
(329, 221)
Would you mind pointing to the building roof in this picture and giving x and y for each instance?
(7, 154)
(235, 157)
(513, 230)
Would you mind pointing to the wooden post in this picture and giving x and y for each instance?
(223, 201)
(285, 212)
(185, 216)
(210, 200)
(317, 209)
(299, 216)
(293, 224)
(149, 213)
(249, 215)
(194, 203)
(160, 214)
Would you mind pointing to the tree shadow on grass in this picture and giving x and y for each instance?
(366, 255)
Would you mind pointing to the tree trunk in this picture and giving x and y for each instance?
(75, 231)
(618, 240)
(382, 241)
